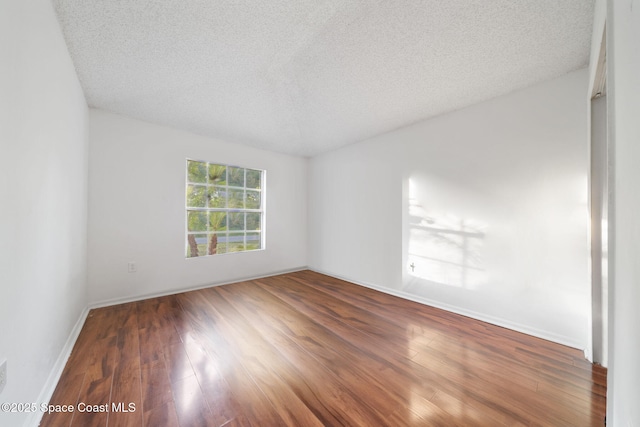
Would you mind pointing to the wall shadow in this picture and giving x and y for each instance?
(444, 249)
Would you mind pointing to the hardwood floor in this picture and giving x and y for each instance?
(303, 349)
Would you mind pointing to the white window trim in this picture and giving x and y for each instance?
(208, 184)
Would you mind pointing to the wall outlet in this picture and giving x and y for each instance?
(132, 267)
(3, 374)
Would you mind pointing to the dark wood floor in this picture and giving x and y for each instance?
(304, 349)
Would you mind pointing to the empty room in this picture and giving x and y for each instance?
(308, 213)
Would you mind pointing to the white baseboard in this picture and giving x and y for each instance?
(539, 333)
(116, 301)
(34, 418)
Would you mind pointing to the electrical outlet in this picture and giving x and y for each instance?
(132, 267)
(3, 374)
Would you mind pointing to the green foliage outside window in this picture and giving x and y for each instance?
(224, 209)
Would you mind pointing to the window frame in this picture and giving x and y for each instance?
(208, 187)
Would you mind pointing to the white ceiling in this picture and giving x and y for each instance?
(307, 76)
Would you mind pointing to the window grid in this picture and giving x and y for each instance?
(223, 194)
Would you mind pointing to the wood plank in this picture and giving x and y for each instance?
(256, 406)
(125, 403)
(308, 349)
(155, 385)
(401, 365)
(261, 361)
(339, 376)
(66, 393)
(163, 415)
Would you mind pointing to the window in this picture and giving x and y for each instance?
(224, 209)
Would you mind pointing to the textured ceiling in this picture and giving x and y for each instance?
(307, 76)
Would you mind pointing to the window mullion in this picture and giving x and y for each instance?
(208, 213)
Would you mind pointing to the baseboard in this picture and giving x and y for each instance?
(34, 418)
(116, 301)
(545, 335)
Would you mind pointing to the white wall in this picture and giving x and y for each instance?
(355, 213)
(43, 183)
(510, 173)
(136, 210)
(623, 70)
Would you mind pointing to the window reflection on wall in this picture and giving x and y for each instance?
(443, 248)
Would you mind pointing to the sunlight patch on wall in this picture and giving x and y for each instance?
(444, 248)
